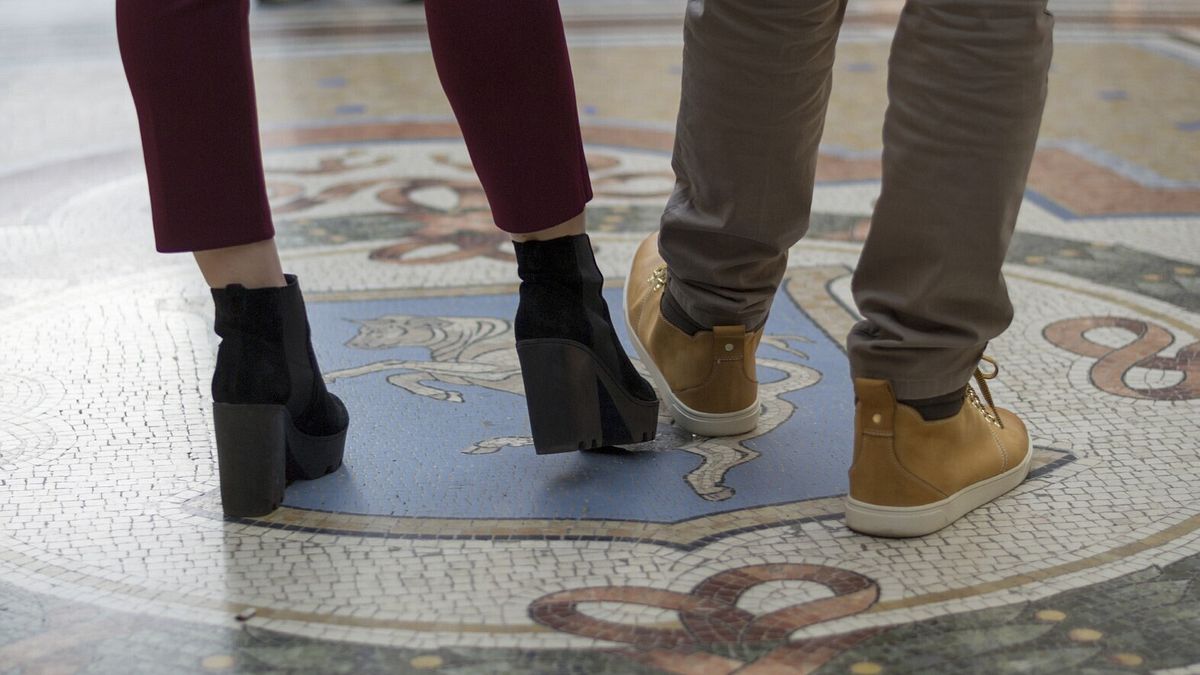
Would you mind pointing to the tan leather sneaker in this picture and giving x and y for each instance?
(911, 477)
(707, 380)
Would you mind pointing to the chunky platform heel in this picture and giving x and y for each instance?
(275, 421)
(575, 403)
(251, 456)
(260, 451)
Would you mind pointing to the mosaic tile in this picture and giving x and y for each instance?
(443, 545)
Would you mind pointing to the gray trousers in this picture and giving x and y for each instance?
(966, 90)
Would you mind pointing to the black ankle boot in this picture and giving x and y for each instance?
(275, 421)
(580, 387)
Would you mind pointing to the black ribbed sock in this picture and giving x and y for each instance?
(675, 315)
(938, 407)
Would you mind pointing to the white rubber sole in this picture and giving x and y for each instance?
(697, 422)
(915, 521)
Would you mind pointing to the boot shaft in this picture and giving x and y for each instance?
(561, 289)
(265, 353)
(562, 297)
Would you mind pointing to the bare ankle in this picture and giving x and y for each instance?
(569, 228)
(253, 265)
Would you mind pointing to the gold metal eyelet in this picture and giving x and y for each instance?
(989, 411)
(658, 278)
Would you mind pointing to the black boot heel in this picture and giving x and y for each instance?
(310, 457)
(251, 450)
(575, 403)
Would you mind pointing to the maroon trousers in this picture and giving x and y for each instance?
(503, 65)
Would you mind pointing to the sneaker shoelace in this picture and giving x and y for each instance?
(981, 377)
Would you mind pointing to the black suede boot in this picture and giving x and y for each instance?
(275, 421)
(580, 387)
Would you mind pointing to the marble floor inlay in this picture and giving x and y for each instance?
(444, 544)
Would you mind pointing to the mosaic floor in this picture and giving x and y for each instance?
(445, 544)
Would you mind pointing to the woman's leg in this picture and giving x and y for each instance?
(505, 69)
(188, 64)
(572, 228)
(251, 265)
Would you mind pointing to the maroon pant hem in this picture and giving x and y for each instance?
(504, 67)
